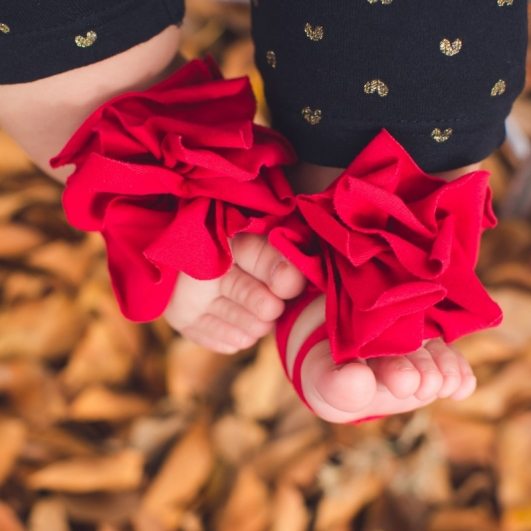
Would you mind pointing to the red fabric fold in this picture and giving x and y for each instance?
(168, 175)
(394, 250)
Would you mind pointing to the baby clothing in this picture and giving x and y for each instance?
(440, 76)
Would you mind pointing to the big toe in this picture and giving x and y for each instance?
(335, 393)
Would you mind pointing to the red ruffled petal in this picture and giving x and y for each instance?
(398, 250)
(188, 144)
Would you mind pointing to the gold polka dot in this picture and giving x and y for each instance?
(271, 59)
(314, 34)
(441, 136)
(312, 117)
(378, 86)
(502, 3)
(384, 2)
(499, 88)
(4, 28)
(89, 40)
(450, 48)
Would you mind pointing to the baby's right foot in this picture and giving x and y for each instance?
(379, 386)
(232, 312)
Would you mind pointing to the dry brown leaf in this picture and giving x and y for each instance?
(96, 298)
(100, 404)
(121, 471)
(236, 438)
(33, 392)
(143, 521)
(248, 507)
(151, 434)
(21, 286)
(46, 328)
(487, 346)
(511, 273)
(256, 391)
(191, 369)
(191, 522)
(183, 473)
(500, 175)
(466, 441)
(52, 443)
(17, 240)
(342, 504)
(114, 508)
(474, 519)
(423, 476)
(303, 470)
(514, 466)
(277, 454)
(289, 512)
(69, 262)
(509, 388)
(8, 519)
(13, 159)
(99, 358)
(13, 434)
(105, 526)
(48, 514)
(517, 519)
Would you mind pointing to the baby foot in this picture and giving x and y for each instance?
(379, 386)
(234, 311)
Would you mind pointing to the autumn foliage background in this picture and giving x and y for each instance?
(110, 426)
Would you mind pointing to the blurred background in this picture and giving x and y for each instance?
(110, 426)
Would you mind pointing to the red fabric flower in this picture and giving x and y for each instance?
(168, 175)
(394, 251)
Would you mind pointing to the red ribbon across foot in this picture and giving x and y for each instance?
(168, 175)
(394, 250)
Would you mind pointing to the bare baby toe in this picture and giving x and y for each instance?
(253, 295)
(234, 314)
(335, 392)
(257, 257)
(431, 379)
(225, 337)
(468, 380)
(397, 374)
(447, 360)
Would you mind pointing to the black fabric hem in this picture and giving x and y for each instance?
(336, 146)
(26, 56)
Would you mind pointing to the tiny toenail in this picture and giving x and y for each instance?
(278, 268)
(405, 367)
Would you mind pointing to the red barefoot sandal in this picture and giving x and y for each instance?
(168, 175)
(394, 251)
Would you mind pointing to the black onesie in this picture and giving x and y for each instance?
(440, 75)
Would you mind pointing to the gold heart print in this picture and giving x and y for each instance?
(271, 58)
(376, 85)
(384, 2)
(4, 28)
(502, 3)
(451, 48)
(312, 117)
(441, 136)
(314, 34)
(498, 89)
(89, 40)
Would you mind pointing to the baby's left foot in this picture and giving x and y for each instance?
(232, 312)
(378, 386)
